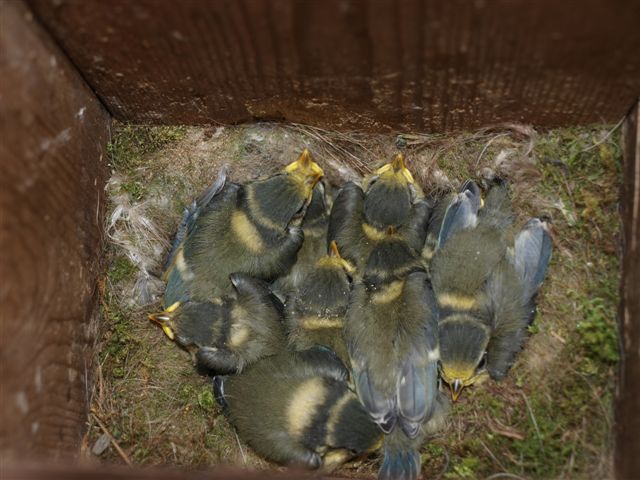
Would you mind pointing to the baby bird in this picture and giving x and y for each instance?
(485, 284)
(391, 332)
(252, 229)
(314, 246)
(391, 198)
(315, 313)
(295, 408)
(227, 334)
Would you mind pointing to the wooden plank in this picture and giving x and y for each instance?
(354, 64)
(53, 134)
(627, 444)
(111, 472)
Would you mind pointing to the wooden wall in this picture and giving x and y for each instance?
(373, 65)
(627, 430)
(343, 64)
(53, 134)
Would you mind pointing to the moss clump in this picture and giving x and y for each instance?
(132, 142)
(121, 270)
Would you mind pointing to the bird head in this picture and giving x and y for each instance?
(281, 198)
(165, 320)
(334, 261)
(188, 324)
(391, 259)
(463, 345)
(304, 173)
(390, 192)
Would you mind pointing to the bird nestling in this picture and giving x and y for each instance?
(391, 333)
(359, 219)
(225, 335)
(485, 285)
(252, 229)
(296, 408)
(315, 313)
(314, 247)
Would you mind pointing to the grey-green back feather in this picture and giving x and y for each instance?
(260, 404)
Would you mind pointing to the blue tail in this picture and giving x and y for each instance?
(401, 457)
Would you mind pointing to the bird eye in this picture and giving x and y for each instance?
(483, 362)
(373, 180)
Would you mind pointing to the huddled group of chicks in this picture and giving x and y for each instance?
(331, 326)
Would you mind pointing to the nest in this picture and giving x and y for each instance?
(150, 406)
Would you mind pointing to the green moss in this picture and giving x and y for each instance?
(597, 331)
(131, 142)
(206, 400)
(121, 269)
(464, 468)
(135, 189)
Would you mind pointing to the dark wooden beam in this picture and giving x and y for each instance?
(382, 65)
(627, 429)
(53, 135)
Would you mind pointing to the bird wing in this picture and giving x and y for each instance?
(192, 212)
(462, 213)
(532, 253)
(417, 382)
(373, 390)
(509, 316)
(380, 407)
(345, 222)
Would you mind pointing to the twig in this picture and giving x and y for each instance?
(533, 417)
(244, 458)
(504, 430)
(121, 452)
(486, 145)
(493, 457)
(604, 139)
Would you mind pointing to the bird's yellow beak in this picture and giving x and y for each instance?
(335, 253)
(456, 389)
(163, 318)
(397, 166)
(306, 167)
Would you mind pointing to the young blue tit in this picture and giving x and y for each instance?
(252, 229)
(314, 246)
(391, 198)
(391, 333)
(315, 312)
(485, 285)
(296, 408)
(227, 334)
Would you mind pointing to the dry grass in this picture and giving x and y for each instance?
(550, 419)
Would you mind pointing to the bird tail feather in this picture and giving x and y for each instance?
(401, 457)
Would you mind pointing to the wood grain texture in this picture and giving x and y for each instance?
(627, 438)
(111, 472)
(53, 133)
(383, 65)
